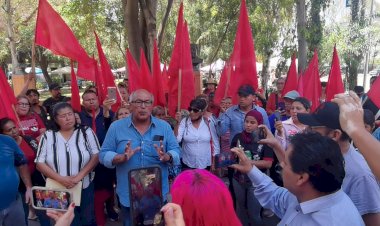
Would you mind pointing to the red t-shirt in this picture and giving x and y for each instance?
(31, 125)
(29, 154)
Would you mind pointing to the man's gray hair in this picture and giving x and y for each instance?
(132, 97)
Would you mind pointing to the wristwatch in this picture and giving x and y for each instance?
(170, 157)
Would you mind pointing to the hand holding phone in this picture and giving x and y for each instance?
(277, 115)
(111, 93)
(225, 159)
(51, 199)
(145, 191)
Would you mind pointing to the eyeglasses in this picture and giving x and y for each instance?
(23, 104)
(195, 110)
(140, 103)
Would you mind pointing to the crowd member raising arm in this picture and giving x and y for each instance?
(351, 112)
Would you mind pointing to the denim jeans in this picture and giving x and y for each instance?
(126, 214)
(247, 206)
(14, 214)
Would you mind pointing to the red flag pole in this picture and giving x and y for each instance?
(179, 89)
(18, 119)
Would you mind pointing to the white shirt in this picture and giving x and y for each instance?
(67, 158)
(196, 146)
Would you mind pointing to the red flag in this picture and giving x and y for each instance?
(158, 79)
(335, 82)
(181, 62)
(243, 58)
(133, 73)
(106, 73)
(8, 99)
(291, 82)
(75, 99)
(312, 84)
(53, 33)
(220, 91)
(145, 75)
(374, 92)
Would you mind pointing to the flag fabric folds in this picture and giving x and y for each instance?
(311, 82)
(8, 99)
(243, 58)
(291, 82)
(53, 33)
(133, 73)
(146, 79)
(75, 98)
(374, 92)
(181, 82)
(335, 82)
(106, 75)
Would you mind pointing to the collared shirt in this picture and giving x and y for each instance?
(100, 121)
(233, 119)
(360, 184)
(68, 157)
(335, 209)
(118, 135)
(196, 146)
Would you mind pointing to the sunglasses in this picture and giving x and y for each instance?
(195, 110)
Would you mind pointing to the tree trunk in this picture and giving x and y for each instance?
(149, 9)
(301, 29)
(44, 63)
(161, 33)
(12, 42)
(132, 25)
(265, 72)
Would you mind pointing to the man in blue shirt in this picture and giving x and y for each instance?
(139, 140)
(313, 173)
(233, 118)
(359, 183)
(11, 158)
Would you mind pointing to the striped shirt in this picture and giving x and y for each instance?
(67, 158)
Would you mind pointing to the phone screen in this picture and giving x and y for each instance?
(45, 198)
(111, 92)
(225, 159)
(145, 192)
(262, 134)
(277, 115)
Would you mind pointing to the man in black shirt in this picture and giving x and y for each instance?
(56, 97)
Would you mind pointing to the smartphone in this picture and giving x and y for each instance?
(51, 199)
(111, 92)
(277, 116)
(225, 159)
(262, 134)
(145, 193)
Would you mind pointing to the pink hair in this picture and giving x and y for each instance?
(204, 199)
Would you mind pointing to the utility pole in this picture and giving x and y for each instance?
(368, 50)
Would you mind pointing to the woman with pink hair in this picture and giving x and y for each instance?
(204, 199)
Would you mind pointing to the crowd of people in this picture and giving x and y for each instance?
(316, 168)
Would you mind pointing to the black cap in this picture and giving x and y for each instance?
(54, 86)
(359, 89)
(327, 114)
(246, 90)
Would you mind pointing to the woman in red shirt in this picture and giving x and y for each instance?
(30, 123)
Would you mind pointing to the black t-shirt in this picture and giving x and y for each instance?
(258, 152)
(50, 102)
